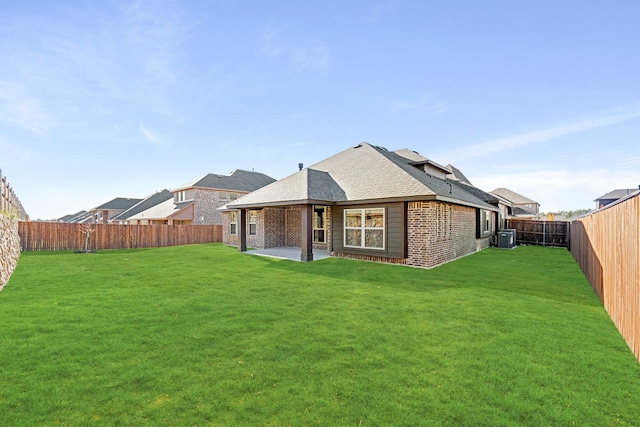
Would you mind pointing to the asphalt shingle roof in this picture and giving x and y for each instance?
(361, 173)
(617, 194)
(238, 180)
(161, 211)
(119, 203)
(145, 204)
(512, 196)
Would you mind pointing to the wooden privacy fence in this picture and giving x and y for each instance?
(606, 246)
(9, 202)
(54, 236)
(536, 232)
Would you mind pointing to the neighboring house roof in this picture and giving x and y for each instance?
(70, 218)
(144, 204)
(162, 210)
(513, 197)
(521, 212)
(617, 194)
(359, 174)
(119, 203)
(237, 180)
(83, 218)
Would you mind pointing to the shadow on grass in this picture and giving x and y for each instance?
(548, 273)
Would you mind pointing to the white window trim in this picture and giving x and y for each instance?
(363, 229)
(324, 222)
(486, 226)
(254, 222)
(233, 220)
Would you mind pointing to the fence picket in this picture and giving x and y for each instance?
(56, 236)
(605, 245)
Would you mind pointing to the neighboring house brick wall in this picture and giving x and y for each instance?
(205, 205)
(9, 248)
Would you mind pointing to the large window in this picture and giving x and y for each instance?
(364, 228)
(233, 222)
(252, 222)
(320, 224)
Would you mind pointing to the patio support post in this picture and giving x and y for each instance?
(242, 230)
(307, 233)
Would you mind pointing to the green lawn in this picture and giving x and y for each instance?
(202, 335)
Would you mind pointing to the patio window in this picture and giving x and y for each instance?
(233, 222)
(252, 222)
(319, 224)
(364, 228)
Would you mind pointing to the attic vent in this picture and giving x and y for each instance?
(358, 146)
(381, 148)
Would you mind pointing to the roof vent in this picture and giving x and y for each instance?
(300, 166)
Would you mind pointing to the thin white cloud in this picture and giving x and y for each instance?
(300, 55)
(504, 144)
(632, 162)
(560, 189)
(149, 135)
(54, 74)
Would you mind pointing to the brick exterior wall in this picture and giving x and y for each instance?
(275, 227)
(440, 232)
(205, 206)
(436, 233)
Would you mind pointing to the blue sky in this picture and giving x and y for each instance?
(120, 99)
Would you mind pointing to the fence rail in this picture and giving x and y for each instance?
(54, 236)
(9, 202)
(606, 246)
(536, 232)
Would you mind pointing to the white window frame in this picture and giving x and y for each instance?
(324, 224)
(363, 228)
(233, 223)
(252, 218)
(486, 222)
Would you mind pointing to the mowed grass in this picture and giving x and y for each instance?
(204, 336)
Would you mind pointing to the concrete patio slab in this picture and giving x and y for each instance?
(292, 254)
